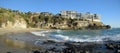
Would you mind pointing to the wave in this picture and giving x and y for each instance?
(58, 31)
(87, 39)
(59, 37)
(40, 33)
(76, 38)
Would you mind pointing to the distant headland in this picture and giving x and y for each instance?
(66, 20)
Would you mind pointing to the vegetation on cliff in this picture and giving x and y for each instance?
(49, 21)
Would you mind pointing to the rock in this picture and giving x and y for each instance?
(36, 51)
(81, 47)
(46, 51)
(8, 52)
(110, 46)
(118, 51)
(108, 26)
(18, 23)
(118, 46)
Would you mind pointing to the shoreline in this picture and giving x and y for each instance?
(4, 31)
(22, 41)
(17, 41)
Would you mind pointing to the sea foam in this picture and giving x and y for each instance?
(88, 39)
(77, 38)
(40, 33)
(60, 37)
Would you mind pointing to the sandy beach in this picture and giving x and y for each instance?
(17, 40)
(4, 31)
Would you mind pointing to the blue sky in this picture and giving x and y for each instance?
(108, 9)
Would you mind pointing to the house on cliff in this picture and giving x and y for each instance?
(46, 13)
(76, 15)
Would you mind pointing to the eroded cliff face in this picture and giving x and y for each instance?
(77, 25)
(18, 23)
(21, 23)
(16, 19)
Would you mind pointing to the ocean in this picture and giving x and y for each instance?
(80, 35)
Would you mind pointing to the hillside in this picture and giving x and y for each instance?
(16, 19)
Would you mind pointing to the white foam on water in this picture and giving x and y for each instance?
(97, 38)
(115, 37)
(40, 33)
(58, 31)
(59, 37)
(78, 38)
(88, 39)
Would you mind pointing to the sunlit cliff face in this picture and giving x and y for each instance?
(19, 23)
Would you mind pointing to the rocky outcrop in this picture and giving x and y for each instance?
(45, 20)
(50, 46)
(18, 23)
(78, 25)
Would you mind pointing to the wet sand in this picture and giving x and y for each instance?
(17, 40)
(4, 31)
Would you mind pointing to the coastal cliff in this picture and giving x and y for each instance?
(44, 20)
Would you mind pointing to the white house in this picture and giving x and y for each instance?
(76, 15)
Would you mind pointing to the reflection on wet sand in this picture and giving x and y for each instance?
(13, 45)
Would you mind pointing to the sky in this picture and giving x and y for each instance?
(108, 9)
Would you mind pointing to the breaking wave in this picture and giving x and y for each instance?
(40, 33)
(87, 39)
(59, 37)
(80, 36)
